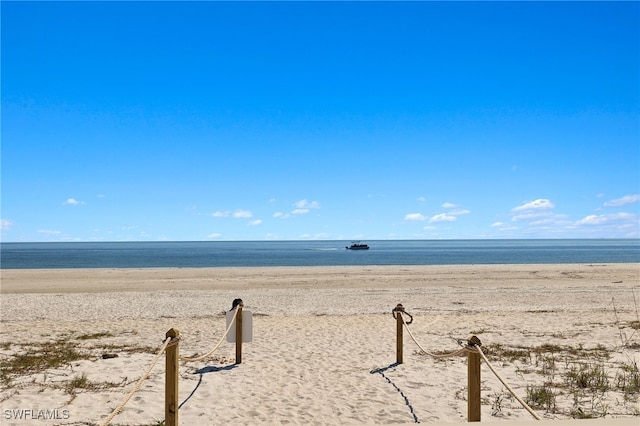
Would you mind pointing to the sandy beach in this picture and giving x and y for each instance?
(564, 337)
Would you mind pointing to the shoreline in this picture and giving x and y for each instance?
(94, 294)
(18, 281)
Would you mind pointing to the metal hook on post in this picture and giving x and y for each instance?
(400, 309)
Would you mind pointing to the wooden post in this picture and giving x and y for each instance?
(473, 395)
(171, 381)
(239, 335)
(399, 338)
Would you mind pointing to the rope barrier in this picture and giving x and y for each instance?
(524, 404)
(471, 347)
(145, 375)
(163, 348)
(437, 356)
(208, 354)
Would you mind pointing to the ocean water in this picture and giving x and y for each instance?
(313, 253)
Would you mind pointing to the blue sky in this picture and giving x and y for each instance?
(302, 120)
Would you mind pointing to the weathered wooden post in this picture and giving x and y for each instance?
(239, 334)
(171, 381)
(243, 327)
(473, 370)
(397, 312)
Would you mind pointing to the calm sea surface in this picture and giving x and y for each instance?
(313, 253)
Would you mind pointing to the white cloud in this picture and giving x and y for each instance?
(301, 207)
(592, 220)
(442, 217)
(304, 204)
(214, 236)
(238, 214)
(540, 219)
(539, 204)
(422, 199)
(49, 232)
(627, 199)
(414, 217)
(533, 210)
(623, 216)
(545, 221)
(72, 202)
(6, 224)
(242, 214)
(530, 216)
(607, 218)
(501, 226)
(456, 212)
(256, 222)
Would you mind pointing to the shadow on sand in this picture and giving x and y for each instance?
(381, 372)
(206, 370)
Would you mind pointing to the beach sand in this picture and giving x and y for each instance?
(324, 343)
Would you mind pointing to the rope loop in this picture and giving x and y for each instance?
(400, 310)
(174, 340)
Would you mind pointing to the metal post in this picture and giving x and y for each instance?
(473, 396)
(171, 381)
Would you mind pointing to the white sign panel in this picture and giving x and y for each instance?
(247, 327)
